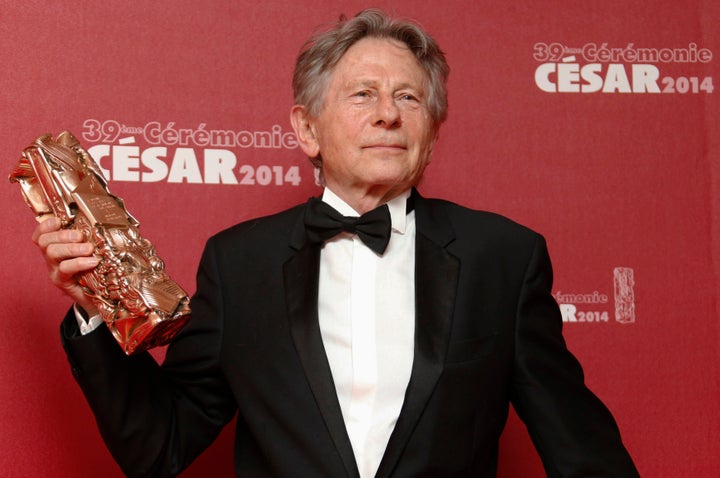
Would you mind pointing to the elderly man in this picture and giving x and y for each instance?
(389, 345)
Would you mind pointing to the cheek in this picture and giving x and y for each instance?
(339, 135)
(424, 145)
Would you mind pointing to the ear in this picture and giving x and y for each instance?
(304, 128)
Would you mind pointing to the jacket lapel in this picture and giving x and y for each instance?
(301, 273)
(436, 277)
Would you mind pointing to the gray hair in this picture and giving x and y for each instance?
(323, 51)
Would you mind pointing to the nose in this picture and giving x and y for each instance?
(387, 114)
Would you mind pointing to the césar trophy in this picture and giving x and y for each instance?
(138, 301)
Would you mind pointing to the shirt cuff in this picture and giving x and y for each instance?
(86, 326)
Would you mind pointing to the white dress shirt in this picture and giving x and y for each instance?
(366, 309)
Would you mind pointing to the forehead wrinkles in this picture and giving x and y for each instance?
(387, 62)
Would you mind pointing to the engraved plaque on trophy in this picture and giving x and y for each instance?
(139, 302)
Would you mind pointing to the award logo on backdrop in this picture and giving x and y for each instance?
(600, 68)
(166, 152)
(601, 307)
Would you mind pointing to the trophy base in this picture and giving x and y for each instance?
(138, 334)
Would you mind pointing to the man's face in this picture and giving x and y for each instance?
(374, 132)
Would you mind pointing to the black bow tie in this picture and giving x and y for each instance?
(323, 222)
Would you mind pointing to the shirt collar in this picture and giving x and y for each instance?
(397, 207)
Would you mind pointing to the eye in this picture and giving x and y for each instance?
(408, 97)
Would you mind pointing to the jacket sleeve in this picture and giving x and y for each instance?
(574, 433)
(156, 419)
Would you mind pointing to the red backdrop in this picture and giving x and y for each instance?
(595, 123)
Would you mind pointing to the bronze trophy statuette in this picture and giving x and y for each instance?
(136, 298)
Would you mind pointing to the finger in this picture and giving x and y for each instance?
(48, 225)
(59, 237)
(58, 252)
(70, 267)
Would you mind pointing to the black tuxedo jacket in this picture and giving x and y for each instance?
(488, 333)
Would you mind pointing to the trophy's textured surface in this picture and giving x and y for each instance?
(136, 298)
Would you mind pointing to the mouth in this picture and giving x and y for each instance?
(386, 147)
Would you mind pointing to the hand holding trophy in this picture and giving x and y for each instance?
(139, 302)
